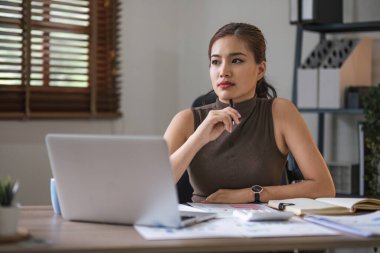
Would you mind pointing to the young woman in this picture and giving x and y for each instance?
(235, 149)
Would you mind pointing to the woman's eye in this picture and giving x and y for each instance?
(237, 61)
(214, 62)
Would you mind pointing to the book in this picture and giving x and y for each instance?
(362, 225)
(327, 206)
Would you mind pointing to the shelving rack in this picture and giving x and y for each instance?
(324, 29)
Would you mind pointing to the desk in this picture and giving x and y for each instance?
(59, 235)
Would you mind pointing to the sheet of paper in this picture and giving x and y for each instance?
(234, 227)
(360, 224)
(294, 227)
(186, 208)
(226, 210)
(216, 228)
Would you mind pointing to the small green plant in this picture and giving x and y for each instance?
(8, 190)
(371, 105)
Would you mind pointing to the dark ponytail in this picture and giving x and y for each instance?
(265, 90)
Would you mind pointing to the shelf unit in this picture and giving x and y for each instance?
(324, 29)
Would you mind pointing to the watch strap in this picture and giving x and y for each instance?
(257, 197)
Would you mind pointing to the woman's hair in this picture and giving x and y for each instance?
(255, 41)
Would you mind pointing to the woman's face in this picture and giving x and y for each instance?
(233, 70)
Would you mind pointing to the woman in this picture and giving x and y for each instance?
(236, 148)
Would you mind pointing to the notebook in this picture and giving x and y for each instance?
(116, 179)
(325, 206)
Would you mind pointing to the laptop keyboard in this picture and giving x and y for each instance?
(186, 217)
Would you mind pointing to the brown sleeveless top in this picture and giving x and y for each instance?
(247, 156)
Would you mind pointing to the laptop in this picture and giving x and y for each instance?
(117, 179)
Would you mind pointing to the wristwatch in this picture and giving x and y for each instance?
(257, 189)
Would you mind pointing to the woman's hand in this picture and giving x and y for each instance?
(184, 143)
(216, 122)
(228, 196)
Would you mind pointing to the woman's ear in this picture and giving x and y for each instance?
(262, 70)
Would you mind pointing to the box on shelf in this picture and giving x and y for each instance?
(345, 176)
(355, 96)
(307, 92)
(308, 76)
(315, 11)
(347, 64)
(330, 68)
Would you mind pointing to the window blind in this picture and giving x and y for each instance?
(58, 59)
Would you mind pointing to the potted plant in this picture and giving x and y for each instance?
(8, 211)
(371, 128)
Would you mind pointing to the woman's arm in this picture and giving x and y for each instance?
(179, 133)
(291, 134)
(183, 142)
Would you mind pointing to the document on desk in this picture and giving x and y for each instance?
(226, 210)
(365, 225)
(235, 227)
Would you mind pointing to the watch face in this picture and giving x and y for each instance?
(257, 188)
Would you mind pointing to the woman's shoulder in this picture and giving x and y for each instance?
(284, 110)
(182, 125)
(184, 115)
(188, 114)
(279, 105)
(282, 105)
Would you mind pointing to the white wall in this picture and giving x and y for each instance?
(150, 65)
(164, 68)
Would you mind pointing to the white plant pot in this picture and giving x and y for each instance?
(8, 220)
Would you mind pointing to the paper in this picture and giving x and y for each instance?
(216, 228)
(234, 227)
(226, 210)
(186, 208)
(294, 227)
(363, 225)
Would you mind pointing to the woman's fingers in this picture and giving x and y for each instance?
(234, 116)
(216, 122)
(228, 116)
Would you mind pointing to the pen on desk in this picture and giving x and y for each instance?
(282, 206)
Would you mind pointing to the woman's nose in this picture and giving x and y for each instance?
(224, 70)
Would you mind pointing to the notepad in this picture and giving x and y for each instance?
(326, 206)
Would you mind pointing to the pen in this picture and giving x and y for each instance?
(282, 206)
(232, 106)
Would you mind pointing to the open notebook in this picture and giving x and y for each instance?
(302, 206)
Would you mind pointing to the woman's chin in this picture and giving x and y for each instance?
(224, 99)
(224, 95)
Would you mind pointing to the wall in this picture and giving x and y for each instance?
(164, 68)
(150, 65)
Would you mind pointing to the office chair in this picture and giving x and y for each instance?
(184, 189)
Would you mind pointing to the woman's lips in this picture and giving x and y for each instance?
(225, 85)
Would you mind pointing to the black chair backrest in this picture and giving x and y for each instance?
(205, 99)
